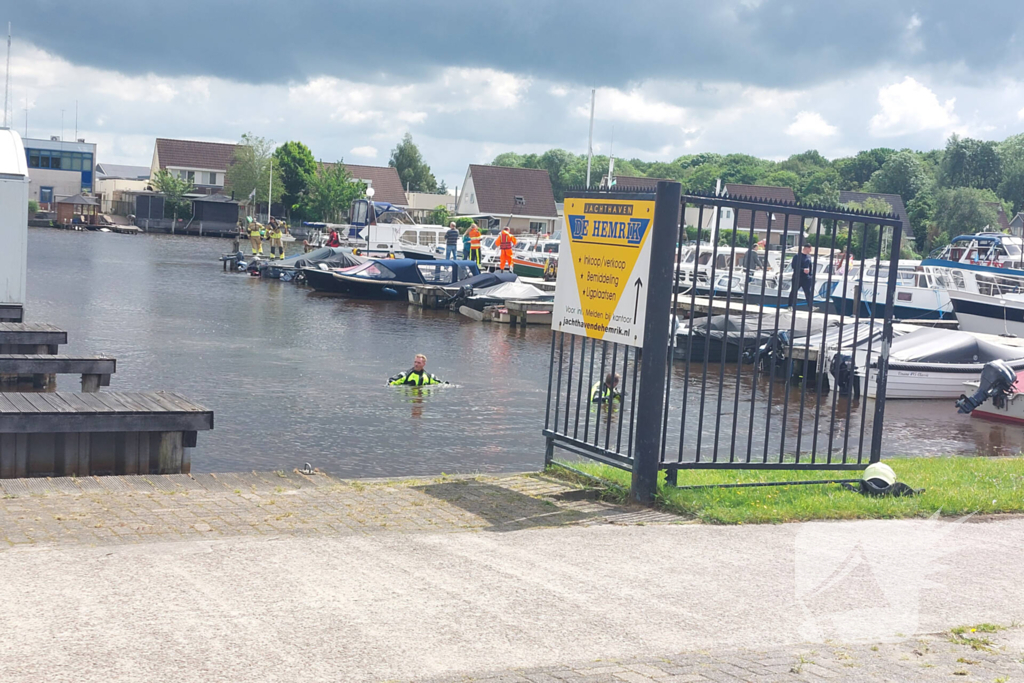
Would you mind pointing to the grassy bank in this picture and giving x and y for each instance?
(953, 486)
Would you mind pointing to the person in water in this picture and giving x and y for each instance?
(606, 392)
(417, 376)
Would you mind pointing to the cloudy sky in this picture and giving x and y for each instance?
(471, 79)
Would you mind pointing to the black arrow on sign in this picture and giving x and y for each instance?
(636, 306)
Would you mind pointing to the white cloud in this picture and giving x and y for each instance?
(634, 106)
(1020, 115)
(366, 151)
(909, 107)
(558, 91)
(810, 125)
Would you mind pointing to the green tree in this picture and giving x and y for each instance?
(33, 207)
(463, 223)
(725, 238)
(509, 159)
(413, 171)
(819, 187)
(296, 164)
(902, 174)
(964, 210)
(329, 193)
(442, 188)
(440, 215)
(967, 162)
(251, 168)
(855, 171)
(921, 210)
(174, 189)
(1011, 184)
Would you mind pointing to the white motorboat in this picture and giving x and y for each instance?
(917, 295)
(1002, 314)
(932, 363)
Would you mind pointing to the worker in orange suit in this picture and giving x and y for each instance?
(506, 240)
(474, 244)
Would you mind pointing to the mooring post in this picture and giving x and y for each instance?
(653, 363)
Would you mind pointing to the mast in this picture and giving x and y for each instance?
(590, 140)
(270, 190)
(7, 73)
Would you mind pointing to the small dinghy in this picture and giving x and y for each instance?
(934, 363)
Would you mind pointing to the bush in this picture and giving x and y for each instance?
(33, 207)
(463, 223)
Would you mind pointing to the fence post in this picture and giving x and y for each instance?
(653, 362)
(882, 378)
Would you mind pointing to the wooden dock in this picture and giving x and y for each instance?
(95, 370)
(31, 338)
(527, 312)
(69, 434)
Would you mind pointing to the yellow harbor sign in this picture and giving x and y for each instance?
(603, 267)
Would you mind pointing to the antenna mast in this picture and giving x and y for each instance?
(7, 77)
(590, 140)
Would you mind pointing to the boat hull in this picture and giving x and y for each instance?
(927, 381)
(322, 281)
(987, 314)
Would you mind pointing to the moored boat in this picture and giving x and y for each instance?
(388, 278)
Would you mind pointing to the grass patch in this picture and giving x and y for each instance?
(954, 486)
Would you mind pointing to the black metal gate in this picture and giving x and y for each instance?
(743, 379)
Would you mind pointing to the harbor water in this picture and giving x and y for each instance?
(294, 377)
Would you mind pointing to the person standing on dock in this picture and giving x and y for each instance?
(451, 241)
(803, 277)
(465, 246)
(417, 376)
(506, 240)
(276, 242)
(474, 244)
(254, 237)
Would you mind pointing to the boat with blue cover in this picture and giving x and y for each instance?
(389, 278)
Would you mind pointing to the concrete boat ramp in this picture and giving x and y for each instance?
(291, 577)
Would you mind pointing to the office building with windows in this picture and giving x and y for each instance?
(59, 168)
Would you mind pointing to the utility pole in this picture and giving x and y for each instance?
(26, 116)
(76, 120)
(62, 125)
(590, 140)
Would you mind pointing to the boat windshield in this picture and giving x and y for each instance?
(371, 271)
(435, 273)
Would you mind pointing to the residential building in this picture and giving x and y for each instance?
(59, 168)
(116, 185)
(1017, 225)
(205, 164)
(774, 227)
(520, 198)
(893, 200)
(421, 205)
(387, 186)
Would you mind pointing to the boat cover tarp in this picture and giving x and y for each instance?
(932, 345)
(512, 290)
(484, 280)
(733, 325)
(332, 257)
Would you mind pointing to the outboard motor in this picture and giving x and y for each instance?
(772, 352)
(845, 375)
(997, 379)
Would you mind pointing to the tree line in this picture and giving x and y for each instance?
(946, 191)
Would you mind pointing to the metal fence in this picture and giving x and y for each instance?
(750, 381)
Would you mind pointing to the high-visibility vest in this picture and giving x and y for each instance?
(474, 238)
(254, 231)
(276, 234)
(415, 379)
(599, 392)
(505, 240)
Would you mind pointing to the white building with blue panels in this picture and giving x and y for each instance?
(59, 168)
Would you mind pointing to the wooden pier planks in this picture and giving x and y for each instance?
(66, 433)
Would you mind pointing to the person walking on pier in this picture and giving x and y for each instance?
(506, 240)
(254, 237)
(417, 376)
(451, 241)
(803, 277)
(474, 244)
